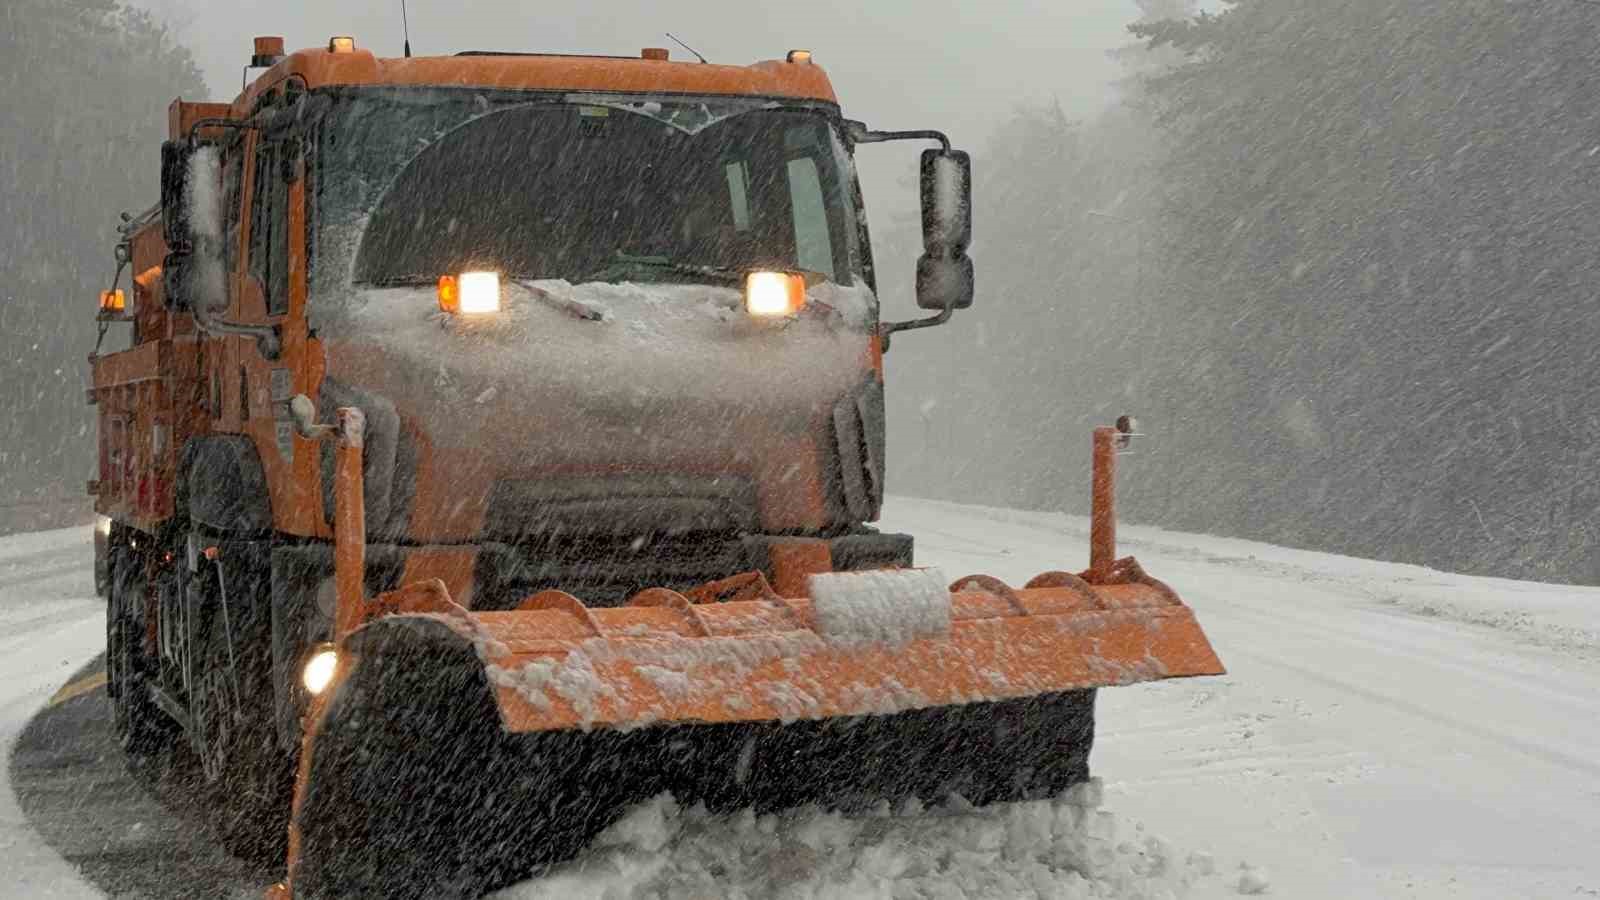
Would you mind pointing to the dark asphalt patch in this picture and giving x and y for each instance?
(129, 836)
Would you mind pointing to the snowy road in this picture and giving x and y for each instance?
(1385, 730)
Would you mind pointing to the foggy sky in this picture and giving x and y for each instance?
(950, 64)
(955, 65)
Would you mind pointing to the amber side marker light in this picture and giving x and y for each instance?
(449, 294)
(114, 301)
(774, 294)
(341, 45)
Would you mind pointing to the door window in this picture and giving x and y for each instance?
(269, 229)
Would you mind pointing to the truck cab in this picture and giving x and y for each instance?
(611, 322)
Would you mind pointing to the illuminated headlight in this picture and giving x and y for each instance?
(319, 669)
(102, 526)
(473, 293)
(773, 294)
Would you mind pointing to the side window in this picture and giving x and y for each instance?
(278, 264)
(269, 229)
(739, 193)
(232, 216)
(261, 215)
(812, 243)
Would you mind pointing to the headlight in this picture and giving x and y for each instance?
(319, 669)
(473, 293)
(480, 292)
(773, 294)
(102, 525)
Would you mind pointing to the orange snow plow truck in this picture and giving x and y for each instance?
(494, 449)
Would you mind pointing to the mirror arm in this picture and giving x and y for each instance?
(887, 328)
(859, 133)
(132, 223)
(266, 336)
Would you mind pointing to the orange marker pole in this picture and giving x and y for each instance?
(1103, 505)
(349, 525)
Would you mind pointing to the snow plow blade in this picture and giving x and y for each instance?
(509, 739)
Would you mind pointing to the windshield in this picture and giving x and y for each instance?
(597, 190)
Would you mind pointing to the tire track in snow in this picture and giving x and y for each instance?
(9, 562)
(43, 630)
(1321, 628)
(1421, 711)
(75, 568)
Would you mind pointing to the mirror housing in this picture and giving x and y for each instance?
(177, 278)
(945, 278)
(175, 159)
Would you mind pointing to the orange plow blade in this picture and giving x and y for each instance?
(563, 666)
(511, 738)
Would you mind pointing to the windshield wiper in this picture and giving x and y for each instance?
(726, 274)
(569, 305)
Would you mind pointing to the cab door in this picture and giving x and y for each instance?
(271, 281)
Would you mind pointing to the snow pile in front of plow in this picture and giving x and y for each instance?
(1062, 849)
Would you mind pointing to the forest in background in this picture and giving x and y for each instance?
(1337, 256)
(78, 142)
(1350, 291)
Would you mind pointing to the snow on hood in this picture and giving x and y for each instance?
(625, 349)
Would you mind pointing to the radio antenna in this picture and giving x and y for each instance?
(405, 27)
(685, 46)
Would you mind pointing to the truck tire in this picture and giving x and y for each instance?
(249, 780)
(142, 730)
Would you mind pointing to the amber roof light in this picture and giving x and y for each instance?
(659, 54)
(268, 51)
(799, 56)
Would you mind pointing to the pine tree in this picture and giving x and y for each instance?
(87, 84)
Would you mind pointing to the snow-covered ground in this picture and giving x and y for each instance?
(51, 623)
(1384, 731)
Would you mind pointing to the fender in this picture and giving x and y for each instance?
(222, 485)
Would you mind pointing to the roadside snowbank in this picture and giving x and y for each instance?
(52, 623)
(1063, 849)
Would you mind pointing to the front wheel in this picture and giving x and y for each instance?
(231, 712)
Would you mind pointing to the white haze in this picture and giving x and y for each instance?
(901, 64)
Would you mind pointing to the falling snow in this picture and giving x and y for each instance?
(1338, 257)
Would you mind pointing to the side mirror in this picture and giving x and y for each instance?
(945, 277)
(177, 277)
(175, 162)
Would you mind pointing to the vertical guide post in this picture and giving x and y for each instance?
(349, 524)
(1103, 505)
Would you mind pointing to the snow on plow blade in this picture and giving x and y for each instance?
(462, 750)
